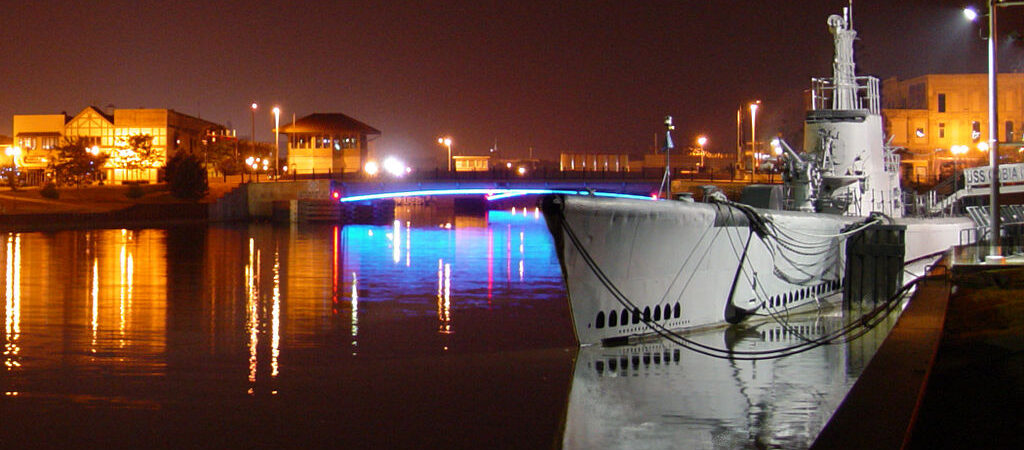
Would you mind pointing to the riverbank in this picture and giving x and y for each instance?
(104, 206)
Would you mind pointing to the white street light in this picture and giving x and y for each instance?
(394, 167)
(993, 120)
(277, 140)
(447, 142)
(753, 138)
(970, 14)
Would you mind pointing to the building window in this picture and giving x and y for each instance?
(942, 130)
(975, 131)
(49, 142)
(1009, 131)
(942, 103)
(27, 143)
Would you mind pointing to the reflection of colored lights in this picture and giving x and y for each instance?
(355, 311)
(444, 292)
(396, 240)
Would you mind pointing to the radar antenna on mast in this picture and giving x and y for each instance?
(666, 180)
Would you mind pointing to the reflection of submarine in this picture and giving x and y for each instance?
(659, 395)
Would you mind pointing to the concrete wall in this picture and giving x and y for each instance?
(256, 200)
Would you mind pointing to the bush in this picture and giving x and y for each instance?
(134, 191)
(49, 190)
(187, 176)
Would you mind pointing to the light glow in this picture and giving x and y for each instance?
(971, 14)
(371, 169)
(394, 167)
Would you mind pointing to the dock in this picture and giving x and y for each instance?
(951, 373)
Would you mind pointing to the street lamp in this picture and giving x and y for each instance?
(252, 137)
(753, 138)
(447, 142)
(993, 118)
(277, 140)
(701, 140)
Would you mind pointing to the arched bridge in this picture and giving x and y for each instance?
(362, 191)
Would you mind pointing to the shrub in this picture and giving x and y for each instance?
(187, 176)
(49, 190)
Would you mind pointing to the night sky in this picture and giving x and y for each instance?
(556, 76)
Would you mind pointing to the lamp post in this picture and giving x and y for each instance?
(277, 144)
(701, 140)
(447, 142)
(993, 117)
(753, 139)
(252, 137)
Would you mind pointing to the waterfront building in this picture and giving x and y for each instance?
(594, 162)
(165, 131)
(328, 142)
(471, 163)
(942, 121)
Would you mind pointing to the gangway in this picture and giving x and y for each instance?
(946, 203)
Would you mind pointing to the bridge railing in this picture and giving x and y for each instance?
(539, 174)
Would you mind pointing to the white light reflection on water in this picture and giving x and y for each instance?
(275, 320)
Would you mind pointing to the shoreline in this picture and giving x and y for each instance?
(26, 210)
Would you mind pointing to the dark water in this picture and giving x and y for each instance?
(439, 330)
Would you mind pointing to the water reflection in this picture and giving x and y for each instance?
(12, 305)
(218, 326)
(655, 395)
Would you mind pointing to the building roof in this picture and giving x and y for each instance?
(98, 111)
(321, 122)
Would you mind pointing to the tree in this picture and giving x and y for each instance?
(135, 153)
(76, 161)
(187, 176)
(220, 153)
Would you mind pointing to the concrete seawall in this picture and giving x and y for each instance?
(256, 200)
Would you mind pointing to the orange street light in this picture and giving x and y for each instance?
(701, 140)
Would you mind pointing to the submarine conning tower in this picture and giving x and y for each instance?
(843, 134)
